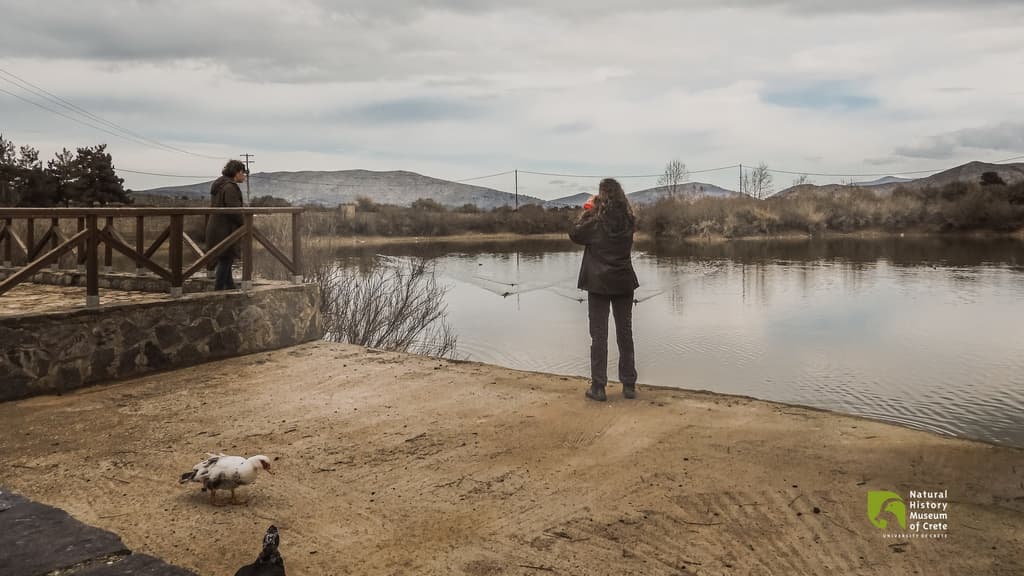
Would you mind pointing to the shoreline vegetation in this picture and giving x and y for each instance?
(969, 209)
(328, 242)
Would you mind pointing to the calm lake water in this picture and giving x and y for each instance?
(927, 333)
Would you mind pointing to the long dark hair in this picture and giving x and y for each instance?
(611, 206)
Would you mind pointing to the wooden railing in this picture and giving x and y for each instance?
(95, 227)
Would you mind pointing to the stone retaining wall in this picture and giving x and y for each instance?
(60, 351)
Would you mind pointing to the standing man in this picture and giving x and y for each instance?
(225, 193)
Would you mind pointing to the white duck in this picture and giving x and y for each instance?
(223, 472)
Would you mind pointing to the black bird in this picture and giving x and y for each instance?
(269, 562)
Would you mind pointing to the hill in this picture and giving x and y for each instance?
(971, 172)
(968, 173)
(574, 201)
(648, 196)
(341, 187)
(689, 189)
(882, 181)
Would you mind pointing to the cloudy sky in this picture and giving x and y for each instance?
(462, 88)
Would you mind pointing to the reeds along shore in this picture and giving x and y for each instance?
(958, 207)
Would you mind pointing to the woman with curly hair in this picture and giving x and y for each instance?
(606, 230)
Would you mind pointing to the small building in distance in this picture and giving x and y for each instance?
(346, 211)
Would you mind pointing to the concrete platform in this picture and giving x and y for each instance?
(41, 540)
(43, 298)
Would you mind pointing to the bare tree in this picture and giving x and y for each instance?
(758, 182)
(674, 176)
(802, 180)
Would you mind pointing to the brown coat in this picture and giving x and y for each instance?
(224, 193)
(607, 267)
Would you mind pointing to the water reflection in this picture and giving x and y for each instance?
(924, 332)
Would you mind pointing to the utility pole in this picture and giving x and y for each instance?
(517, 190)
(247, 156)
(741, 180)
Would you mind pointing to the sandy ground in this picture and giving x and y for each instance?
(391, 464)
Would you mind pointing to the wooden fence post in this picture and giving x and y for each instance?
(210, 272)
(92, 264)
(297, 247)
(8, 243)
(176, 247)
(108, 252)
(30, 239)
(247, 264)
(140, 242)
(80, 252)
(54, 241)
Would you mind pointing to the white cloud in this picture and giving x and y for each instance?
(1007, 137)
(457, 88)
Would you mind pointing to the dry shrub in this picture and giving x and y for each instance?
(397, 305)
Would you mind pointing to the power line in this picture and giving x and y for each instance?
(586, 175)
(72, 118)
(891, 173)
(484, 177)
(47, 95)
(731, 167)
(40, 93)
(159, 174)
(719, 169)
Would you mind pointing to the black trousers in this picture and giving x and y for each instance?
(224, 281)
(622, 310)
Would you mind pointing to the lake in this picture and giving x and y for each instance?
(924, 332)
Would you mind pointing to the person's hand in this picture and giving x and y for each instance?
(589, 204)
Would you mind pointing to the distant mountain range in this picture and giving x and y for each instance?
(342, 187)
(884, 180)
(650, 195)
(574, 201)
(687, 190)
(403, 188)
(970, 172)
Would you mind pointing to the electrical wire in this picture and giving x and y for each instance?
(70, 106)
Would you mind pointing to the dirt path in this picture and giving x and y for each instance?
(392, 464)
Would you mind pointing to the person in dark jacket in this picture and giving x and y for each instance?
(607, 275)
(225, 193)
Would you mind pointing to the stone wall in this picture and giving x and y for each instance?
(60, 351)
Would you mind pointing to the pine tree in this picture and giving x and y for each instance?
(95, 181)
(7, 172)
(22, 179)
(62, 169)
